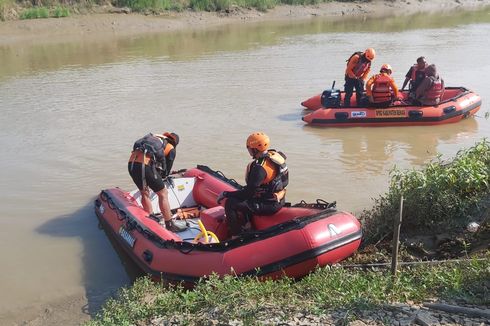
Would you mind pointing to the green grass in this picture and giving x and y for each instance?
(60, 11)
(444, 196)
(208, 5)
(152, 6)
(247, 299)
(35, 13)
(44, 12)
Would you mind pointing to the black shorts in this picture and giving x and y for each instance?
(153, 179)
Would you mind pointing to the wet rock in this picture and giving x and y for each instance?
(357, 323)
(426, 319)
(405, 322)
(123, 10)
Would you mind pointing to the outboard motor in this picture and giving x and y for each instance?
(331, 97)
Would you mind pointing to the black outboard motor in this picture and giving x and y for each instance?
(331, 97)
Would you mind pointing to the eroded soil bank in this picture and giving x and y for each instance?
(105, 23)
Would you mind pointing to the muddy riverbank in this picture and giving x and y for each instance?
(103, 22)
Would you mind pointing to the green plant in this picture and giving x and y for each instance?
(249, 299)
(34, 13)
(155, 5)
(60, 11)
(442, 196)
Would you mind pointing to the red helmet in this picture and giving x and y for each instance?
(370, 54)
(258, 141)
(386, 67)
(173, 138)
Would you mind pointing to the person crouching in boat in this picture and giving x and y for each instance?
(150, 162)
(431, 89)
(356, 73)
(381, 89)
(264, 194)
(415, 76)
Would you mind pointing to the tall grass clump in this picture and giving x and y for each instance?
(211, 5)
(441, 197)
(153, 5)
(60, 11)
(5, 5)
(35, 13)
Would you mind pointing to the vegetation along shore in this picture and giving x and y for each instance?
(66, 20)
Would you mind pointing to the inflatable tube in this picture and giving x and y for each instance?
(459, 103)
(290, 243)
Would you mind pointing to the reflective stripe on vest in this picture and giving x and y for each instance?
(382, 91)
(137, 156)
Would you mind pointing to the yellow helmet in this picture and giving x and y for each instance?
(387, 68)
(258, 141)
(370, 54)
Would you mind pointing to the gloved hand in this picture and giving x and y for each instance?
(221, 196)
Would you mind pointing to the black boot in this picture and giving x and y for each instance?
(175, 226)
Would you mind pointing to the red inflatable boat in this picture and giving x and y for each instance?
(292, 242)
(458, 103)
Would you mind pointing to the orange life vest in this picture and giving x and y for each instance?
(361, 66)
(277, 175)
(435, 91)
(417, 77)
(137, 156)
(382, 90)
(417, 73)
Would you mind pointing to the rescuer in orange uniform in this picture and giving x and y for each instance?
(356, 73)
(381, 89)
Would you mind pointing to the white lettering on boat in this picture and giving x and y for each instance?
(390, 113)
(470, 100)
(126, 236)
(358, 114)
(333, 230)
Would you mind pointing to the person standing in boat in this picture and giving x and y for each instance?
(150, 162)
(356, 73)
(264, 194)
(381, 89)
(415, 76)
(431, 89)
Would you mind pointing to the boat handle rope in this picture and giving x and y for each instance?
(320, 204)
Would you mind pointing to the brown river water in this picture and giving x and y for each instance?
(70, 113)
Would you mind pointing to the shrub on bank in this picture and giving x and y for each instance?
(444, 196)
(35, 13)
(44, 12)
(250, 300)
(207, 5)
(40, 8)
